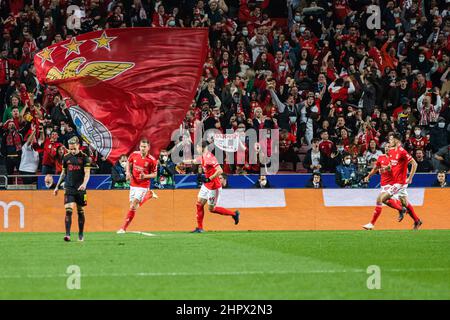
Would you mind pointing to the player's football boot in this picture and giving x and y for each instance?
(66, 238)
(236, 216)
(80, 237)
(198, 230)
(368, 226)
(417, 224)
(401, 214)
(121, 231)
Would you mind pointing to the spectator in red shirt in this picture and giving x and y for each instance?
(51, 145)
(326, 145)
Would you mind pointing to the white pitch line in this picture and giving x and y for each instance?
(143, 233)
(224, 273)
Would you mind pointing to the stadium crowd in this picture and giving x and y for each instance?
(317, 71)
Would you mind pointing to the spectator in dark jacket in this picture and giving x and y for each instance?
(315, 160)
(438, 135)
(441, 180)
(346, 173)
(118, 175)
(262, 183)
(315, 182)
(423, 164)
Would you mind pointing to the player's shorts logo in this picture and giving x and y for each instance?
(92, 130)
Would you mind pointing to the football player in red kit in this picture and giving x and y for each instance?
(210, 190)
(399, 160)
(140, 168)
(387, 180)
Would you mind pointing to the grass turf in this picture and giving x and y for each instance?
(228, 265)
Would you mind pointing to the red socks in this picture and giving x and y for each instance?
(412, 212)
(130, 215)
(223, 211)
(200, 215)
(395, 204)
(376, 213)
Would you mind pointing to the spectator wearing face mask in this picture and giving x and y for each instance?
(346, 173)
(418, 141)
(262, 183)
(438, 135)
(118, 174)
(165, 175)
(441, 180)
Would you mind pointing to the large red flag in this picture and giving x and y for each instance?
(126, 84)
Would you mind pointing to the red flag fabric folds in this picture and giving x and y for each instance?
(126, 83)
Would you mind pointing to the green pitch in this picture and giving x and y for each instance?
(228, 265)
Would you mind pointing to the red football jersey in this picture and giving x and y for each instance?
(418, 143)
(146, 165)
(326, 147)
(383, 164)
(209, 165)
(399, 159)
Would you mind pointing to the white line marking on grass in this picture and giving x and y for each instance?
(143, 233)
(224, 273)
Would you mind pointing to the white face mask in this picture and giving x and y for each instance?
(413, 21)
(417, 132)
(123, 164)
(421, 59)
(302, 29)
(292, 119)
(281, 68)
(441, 125)
(347, 161)
(298, 18)
(303, 67)
(165, 158)
(263, 182)
(245, 33)
(340, 149)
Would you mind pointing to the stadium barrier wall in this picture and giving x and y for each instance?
(267, 209)
(103, 182)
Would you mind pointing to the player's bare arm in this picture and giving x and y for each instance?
(87, 175)
(60, 180)
(147, 176)
(413, 170)
(128, 171)
(218, 172)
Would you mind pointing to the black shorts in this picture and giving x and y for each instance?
(79, 197)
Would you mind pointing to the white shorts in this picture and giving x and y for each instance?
(398, 190)
(137, 193)
(386, 188)
(212, 196)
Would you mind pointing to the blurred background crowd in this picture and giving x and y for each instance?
(317, 71)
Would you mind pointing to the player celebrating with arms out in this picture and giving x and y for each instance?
(76, 173)
(210, 190)
(387, 180)
(141, 167)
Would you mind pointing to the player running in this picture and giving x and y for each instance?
(141, 167)
(210, 190)
(76, 173)
(399, 160)
(387, 180)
